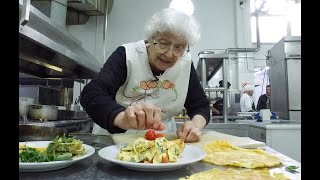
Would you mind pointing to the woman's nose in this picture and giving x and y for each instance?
(169, 53)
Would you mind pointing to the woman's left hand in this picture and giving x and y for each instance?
(189, 132)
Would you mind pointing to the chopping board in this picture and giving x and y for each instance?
(206, 137)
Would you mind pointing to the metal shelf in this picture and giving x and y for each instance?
(210, 61)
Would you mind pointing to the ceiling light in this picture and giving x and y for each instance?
(185, 6)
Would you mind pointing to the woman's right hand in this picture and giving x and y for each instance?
(140, 116)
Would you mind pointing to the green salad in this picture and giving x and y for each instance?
(61, 148)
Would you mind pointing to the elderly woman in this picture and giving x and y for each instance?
(144, 84)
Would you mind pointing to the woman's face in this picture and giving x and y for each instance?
(163, 58)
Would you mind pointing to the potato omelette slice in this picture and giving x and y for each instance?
(223, 153)
(246, 174)
(155, 151)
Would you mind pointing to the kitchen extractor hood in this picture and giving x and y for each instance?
(47, 50)
(91, 7)
(213, 63)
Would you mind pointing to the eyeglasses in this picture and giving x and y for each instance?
(177, 51)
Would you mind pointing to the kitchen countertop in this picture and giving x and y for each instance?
(273, 124)
(215, 119)
(97, 168)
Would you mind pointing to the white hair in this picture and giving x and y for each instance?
(248, 87)
(176, 22)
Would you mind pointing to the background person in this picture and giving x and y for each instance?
(264, 100)
(217, 107)
(246, 101)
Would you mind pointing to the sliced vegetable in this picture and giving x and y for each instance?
(165, 158)
(292, 169)
(150, 134)
(158, 135)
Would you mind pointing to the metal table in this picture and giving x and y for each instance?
(97, 168)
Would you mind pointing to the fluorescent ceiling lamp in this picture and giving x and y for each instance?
(185, 6)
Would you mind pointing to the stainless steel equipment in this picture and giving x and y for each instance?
(71, 114)
(47, 49)
(65, 97)
(39, 133)
(41, 94)
(24, 103)
(284, 59)
(213, 60)
(43, 112)
(60, 94)
(235, 95)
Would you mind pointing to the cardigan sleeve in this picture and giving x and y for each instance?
(98, 96)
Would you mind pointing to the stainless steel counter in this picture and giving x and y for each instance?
(273, 124)
(97, 168)
(78, 125)
(217, 119)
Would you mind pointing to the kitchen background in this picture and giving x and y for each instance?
(79, 35)
(224, 24)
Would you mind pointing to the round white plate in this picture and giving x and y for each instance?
(53, 165)
(190, 155)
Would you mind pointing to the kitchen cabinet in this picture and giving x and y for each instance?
(284, 140)
(258, 134)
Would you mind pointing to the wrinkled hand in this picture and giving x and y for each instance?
(189, 132)
(140, 116)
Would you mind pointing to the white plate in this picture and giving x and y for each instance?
(53, 165)
(190, 155)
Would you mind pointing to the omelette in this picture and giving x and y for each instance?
(152, 151)
(223, 153)
(246, 174)
(22, 147)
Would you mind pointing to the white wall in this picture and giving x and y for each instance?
(126, 21)
(217, 23)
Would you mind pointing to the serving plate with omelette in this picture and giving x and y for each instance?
(159, 154)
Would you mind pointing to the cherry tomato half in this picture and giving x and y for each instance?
(159, 135)
(150, 134)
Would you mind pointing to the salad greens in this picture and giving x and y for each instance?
(61, 148)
